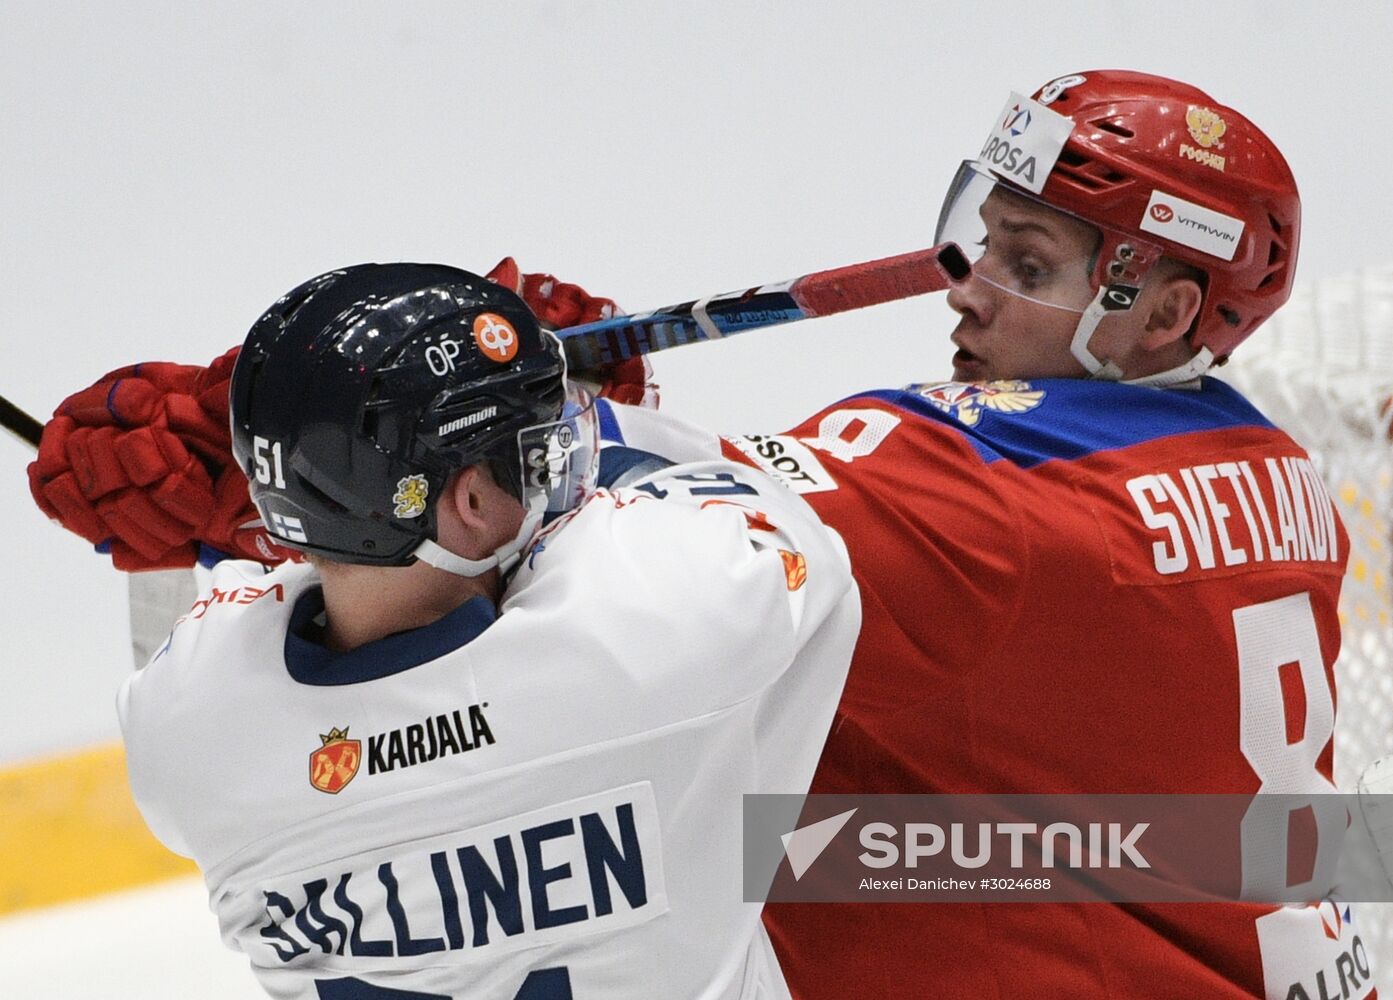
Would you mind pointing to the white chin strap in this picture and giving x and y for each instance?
(1111, 300)
(505, 557)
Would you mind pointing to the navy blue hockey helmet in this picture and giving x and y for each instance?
(359, 393)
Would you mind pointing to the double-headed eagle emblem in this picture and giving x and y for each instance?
(967, 400)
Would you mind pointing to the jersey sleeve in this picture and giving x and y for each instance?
(168, 709)
(932, 536)
(712, 563)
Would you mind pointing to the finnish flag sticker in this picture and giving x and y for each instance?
(289, 528)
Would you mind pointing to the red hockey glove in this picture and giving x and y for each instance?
(559, 304)
(140, 464)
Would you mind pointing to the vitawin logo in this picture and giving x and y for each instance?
(336, 761)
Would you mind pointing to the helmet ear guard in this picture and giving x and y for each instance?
(358, 394)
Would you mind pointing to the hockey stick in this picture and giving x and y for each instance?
(19, 423)
(821, 293)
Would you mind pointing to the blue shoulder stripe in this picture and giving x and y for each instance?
(610, 432)
(1027, 423)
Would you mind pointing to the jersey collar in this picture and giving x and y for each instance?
(309, 662)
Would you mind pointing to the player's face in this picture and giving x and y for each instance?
(1029, 286)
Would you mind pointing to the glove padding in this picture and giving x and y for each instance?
(559, 304)
(140, 464)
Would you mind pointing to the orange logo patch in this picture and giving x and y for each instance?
(495, 337)
(335, 763)
(795, 568)
(756, 519)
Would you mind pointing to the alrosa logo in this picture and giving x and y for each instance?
(1017, 120)
(1009, 159)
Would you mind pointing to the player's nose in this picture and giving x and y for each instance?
(973, 298)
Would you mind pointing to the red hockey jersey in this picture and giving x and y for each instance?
(1073, 586)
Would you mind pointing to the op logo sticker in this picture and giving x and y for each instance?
(967, 400)
(410, 497)
(495, 337)
(335, 763)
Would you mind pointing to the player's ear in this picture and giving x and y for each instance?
(1174, 304)
(464, 499)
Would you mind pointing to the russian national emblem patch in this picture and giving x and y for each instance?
(410, 498)
(335, 763)
(967, 400)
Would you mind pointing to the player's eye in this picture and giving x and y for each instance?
(1031, 273)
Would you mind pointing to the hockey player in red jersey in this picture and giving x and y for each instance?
(1085, 565)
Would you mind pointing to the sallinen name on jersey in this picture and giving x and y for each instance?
(1237, 514)
(513, 884)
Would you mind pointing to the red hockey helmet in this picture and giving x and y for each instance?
(1164, 161)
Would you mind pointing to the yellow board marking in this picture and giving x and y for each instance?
(70, 829)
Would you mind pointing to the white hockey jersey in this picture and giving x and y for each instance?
(542, 806)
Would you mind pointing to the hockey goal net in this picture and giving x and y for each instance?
(1322, 370)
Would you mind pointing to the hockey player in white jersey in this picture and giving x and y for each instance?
(491, 740)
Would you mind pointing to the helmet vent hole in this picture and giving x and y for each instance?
(294, 304)
(1091, 175)
(370, 413)
(1116, 128)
